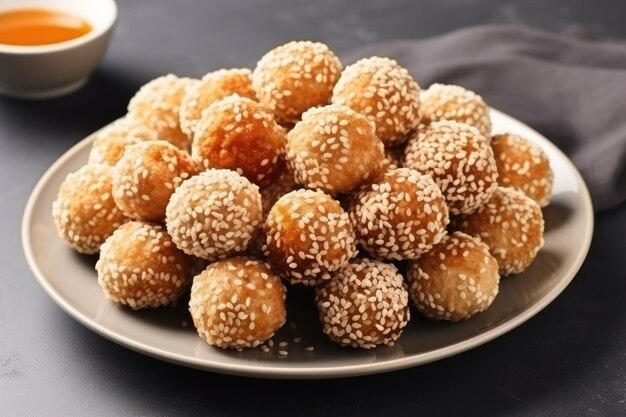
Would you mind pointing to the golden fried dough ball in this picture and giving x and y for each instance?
(511, 224)
(140, 267)
(214, 215)
(455, 280)
(84, 211)
(110, 142)
(240, 134)
(385, 93)
(237, 303)
(523, 166)
(157, 105)
(400, 216)
(294, 77)
(460, 161)
(454, 103)
(308, 236)
(147, 175)
(213, 87)
(364, 304)
(334, 149)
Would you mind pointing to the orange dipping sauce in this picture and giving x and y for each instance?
(28, 27)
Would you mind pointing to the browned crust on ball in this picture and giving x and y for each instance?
(157, 105)
(308, 236)
(455, 103)
(213, 87)
(511, 224)
(140, 267)
(147, 175)
(240, 134)
(294, 77)
(524, 166)
(460, 161)
(334, 149)
(214, 215)
(111, 141)
(400, 216)
(455, 280)
(385, 93)
(84, 211)
(364, 304)
(237, 303)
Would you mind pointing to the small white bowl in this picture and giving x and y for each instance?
(44, 71)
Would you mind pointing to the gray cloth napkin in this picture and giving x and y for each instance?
(568, 86)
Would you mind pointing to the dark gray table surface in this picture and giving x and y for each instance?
(568, 361)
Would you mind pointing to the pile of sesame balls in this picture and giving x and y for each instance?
(302, 172)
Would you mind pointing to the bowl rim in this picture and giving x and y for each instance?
(7, 49)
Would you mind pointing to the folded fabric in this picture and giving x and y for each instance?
(567, 86)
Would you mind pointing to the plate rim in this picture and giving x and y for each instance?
(253, 370)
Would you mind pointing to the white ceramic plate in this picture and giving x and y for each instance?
(167, 333)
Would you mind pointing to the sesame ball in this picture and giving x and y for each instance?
(239, 134)
(214, 215)
(455, 103)
(147, 175)
(308, 236)
(523, 166)
(400, 216)
(84, 211)
(385, 93)
(212, 87)
(455, 280)
(334, 149)
(157, 105)
(140, 267)
(460, 161)
(237, 303)
(110, 142)
(294, 77)
(511, 224)
(364, 304)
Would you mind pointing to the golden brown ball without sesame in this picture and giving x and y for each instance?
(460, 161)
(455, 280)
(147, 175)
(240, 134)
(511, 224)
(385, 93)
(212, 87)
(157, 105)
(215, 214)
(524, 166)
(455, 103)
(364, 304)
(334, 149)
(400, 216)
(110, 142)
(140, 267)
(308, 236)
(295, 77)
(237, 303)
(84, 211)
